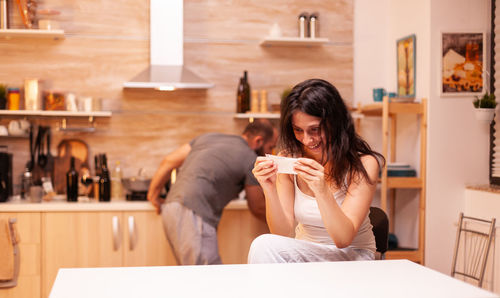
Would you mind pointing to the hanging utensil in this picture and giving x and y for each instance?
(31, 162)
(42, 157)
(49, 167)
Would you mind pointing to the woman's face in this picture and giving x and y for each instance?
(308, 131)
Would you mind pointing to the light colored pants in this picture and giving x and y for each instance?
(193, 241)
(269, 248)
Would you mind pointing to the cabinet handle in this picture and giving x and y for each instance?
(116, 232)
(132, 236)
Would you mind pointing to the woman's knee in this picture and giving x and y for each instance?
(264, 249)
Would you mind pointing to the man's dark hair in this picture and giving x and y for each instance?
(260, 127)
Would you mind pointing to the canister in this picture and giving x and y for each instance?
(303, 25)
(263, 101)
(313, 25)
(4, 14)
(254, 103)
(13, 99)
(32, 95)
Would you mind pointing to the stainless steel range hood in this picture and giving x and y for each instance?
(166, 70)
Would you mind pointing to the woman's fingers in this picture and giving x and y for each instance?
(308, 174)
(311, 163)
(264, 168)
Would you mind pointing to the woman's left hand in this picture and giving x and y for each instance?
(313, 174)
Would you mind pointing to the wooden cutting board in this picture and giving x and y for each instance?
(62, 162)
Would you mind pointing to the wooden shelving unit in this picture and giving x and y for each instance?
(32, 33)
(389, 112)
(293, 41)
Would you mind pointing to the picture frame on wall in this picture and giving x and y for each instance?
(463, 64)
(406, 66)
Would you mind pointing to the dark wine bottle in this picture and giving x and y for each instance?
(72, 183)
(246, 91)
(104, 181)
(240, 97)
(243, 95)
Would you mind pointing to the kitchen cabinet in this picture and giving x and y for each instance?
(237, 229)
(29, 281)
(101, 239)
(60, 235)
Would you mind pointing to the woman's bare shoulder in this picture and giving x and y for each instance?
(371, 165)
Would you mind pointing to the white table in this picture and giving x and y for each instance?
(394, 278)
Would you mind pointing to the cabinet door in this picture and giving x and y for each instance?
(80, 239)
(237, 229)
(145, 243)
(28, 283)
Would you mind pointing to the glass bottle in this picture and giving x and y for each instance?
(104, 181)
(27, 182)
(240, 97)
(72, 183)
(246, 91)
(243, 94)
(116, 183)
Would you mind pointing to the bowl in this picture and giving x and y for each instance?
(136, 184)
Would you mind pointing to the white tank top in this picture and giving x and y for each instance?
(311, 227)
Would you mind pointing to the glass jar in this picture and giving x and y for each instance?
(13, 99)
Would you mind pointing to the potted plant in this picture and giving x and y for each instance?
(485, 107)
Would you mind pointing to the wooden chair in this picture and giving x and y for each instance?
(472, 246)
(380, 228)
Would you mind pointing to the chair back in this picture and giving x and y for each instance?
(472, 246)
(380, 228)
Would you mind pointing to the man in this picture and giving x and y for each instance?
(213, 169)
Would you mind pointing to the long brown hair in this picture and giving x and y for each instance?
(344, 147)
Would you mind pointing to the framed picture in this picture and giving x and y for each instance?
(406, 50)
(462, 64)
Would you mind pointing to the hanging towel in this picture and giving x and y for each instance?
(8, 238)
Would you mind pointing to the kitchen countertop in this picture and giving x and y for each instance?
(63, 206)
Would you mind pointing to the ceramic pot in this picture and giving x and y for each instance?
(485, 114)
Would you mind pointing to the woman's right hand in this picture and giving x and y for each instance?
(265, 171)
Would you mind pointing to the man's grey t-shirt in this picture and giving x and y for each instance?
(214, 172)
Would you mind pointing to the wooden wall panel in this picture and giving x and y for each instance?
(251, 20)
(107, 43)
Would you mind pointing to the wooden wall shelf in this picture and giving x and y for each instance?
(257, 115)
(293, 41)
(55, 113)
(32, 33)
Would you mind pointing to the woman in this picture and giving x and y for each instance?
(327, 203)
